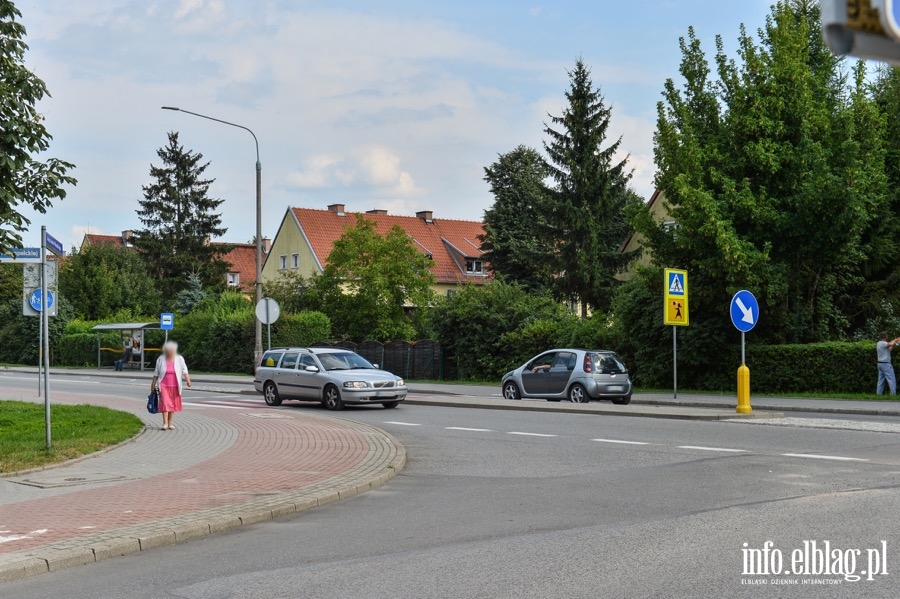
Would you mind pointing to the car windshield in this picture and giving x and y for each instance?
(344, 361)
(608, 364)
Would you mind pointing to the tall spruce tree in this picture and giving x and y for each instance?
(515, 239)
(179, 221)
(587, 208)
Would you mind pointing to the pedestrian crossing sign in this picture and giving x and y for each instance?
(675, 309)
(676, 283)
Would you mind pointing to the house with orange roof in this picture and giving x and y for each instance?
(241, 258)
(658, 208)
(306, 236)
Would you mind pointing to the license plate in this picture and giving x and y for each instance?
(617, 388)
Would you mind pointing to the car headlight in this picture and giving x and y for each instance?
(400, 383)
(356, 384)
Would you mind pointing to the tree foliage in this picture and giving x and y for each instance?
(474, 324)
(102, 279)
(194, 293)
(179, 221)
(293, 292)
(516, 228)
(24, 180)
(587, 208)
(773, 166)
(369, 281)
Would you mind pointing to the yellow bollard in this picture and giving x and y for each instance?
(743, 389)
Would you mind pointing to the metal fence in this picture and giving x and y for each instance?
(420, 360)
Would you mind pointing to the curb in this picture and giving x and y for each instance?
(188, 527)
(88, 456)
(763, 406)
(592, 410)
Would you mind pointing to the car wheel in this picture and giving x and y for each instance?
(578, 394)
(270, 394)
(333, 398)
(511, 391)
(622, 401)
(390, 405)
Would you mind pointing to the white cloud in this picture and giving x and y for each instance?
(186, 7)
(377, 168)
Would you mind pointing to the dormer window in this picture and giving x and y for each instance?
(474, 267)
(234, 279)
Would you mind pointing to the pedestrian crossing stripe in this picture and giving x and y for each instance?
(676, 284)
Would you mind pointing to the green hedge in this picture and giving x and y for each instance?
(816, 367)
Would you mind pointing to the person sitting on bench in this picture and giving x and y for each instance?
(129, 349)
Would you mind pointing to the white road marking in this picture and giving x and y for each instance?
(401, 423)
(471, 430)
(823, 457)
(14, 538)
(619, 442)
(712, 448)
(529, 434)
(86, 527)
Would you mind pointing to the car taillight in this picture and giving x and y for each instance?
(588, 367)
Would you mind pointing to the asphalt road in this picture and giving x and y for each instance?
(520, 504)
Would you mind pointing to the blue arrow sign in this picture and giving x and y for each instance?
(744, 311)
(889, 11)
(35, 299)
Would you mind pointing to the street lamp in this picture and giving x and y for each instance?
(259, 246)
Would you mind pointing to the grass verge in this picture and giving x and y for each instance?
(77, 431)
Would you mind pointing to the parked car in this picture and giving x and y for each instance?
(332, 376)
(578, 375)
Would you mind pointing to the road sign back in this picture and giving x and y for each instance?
(675, 310)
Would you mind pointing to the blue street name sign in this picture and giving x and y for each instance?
(744, 311)
(166, 321)
(889, 11)
(35, 299)
(22, 255)
(54, 245)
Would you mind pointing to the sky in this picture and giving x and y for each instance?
(395, 104)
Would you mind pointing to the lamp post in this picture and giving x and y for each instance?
(259, 247)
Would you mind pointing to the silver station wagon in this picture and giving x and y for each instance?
(578, 375)
(331, 376)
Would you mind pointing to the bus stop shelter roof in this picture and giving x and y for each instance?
(126, 326)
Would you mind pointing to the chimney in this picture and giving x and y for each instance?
(267, 245)
(426, 215)
(376, 211)
(127, 237)
(337, 209)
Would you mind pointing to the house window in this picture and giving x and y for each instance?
(451, 292)
(282, 262)
(670, 225)
(474, 267)
(295, 261)
(234, 279)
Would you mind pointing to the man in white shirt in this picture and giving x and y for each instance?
(885, 368)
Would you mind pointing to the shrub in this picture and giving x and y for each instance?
(304, 328)
(815, 367)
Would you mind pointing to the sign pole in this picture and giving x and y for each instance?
(40, 341)
(743, 348)
(675, 359)
(268, 327)
(45, 324)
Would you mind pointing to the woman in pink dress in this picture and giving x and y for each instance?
(170, 371)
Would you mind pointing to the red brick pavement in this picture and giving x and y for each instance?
(269, 456)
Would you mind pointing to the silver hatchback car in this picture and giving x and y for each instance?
(578, 375)
(331, 376)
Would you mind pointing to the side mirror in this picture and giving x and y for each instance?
(312, 369)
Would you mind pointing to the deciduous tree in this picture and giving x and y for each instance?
(370, 280)
(24, 180)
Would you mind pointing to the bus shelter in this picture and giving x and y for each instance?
(122, 328)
